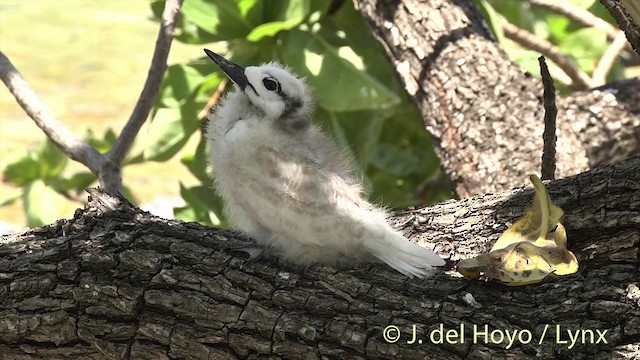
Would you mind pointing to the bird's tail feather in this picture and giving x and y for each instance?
(405, 256)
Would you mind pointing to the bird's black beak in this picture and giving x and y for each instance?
(234, 71)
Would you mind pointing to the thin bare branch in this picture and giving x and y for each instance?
(152, 84)
(550, 111)
(580, 79)
(579, 15)
(71, 145)
(607, 60)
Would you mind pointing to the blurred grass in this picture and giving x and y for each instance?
(87, 60)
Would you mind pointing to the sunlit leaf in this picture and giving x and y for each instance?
(41, 203)
(52, 160)
(586, 46)
(78, 182)
(493, 19)
(170, 130)
(23, 168)
(337, 83)
(197, 162)
(283, 15)
(272, 28)
(516, 12)
(558, 27)
(179, 82)
(223, 19)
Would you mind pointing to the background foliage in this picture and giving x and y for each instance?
(359, 100)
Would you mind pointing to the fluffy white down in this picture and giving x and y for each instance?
(295, 192)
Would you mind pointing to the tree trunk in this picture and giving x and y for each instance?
(627, 15)
(485, 114)
(115, 282)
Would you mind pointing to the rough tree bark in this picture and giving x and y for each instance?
(115, 282)
(484, 112)
(627, 15)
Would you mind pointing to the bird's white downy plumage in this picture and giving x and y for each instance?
(288, 186)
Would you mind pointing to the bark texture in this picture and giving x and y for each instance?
(115, 282)
(606, 120)
(486, 114)
(627, 15)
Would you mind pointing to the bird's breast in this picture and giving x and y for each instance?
(237, 131)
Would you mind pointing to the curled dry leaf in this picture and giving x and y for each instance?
(530, 250)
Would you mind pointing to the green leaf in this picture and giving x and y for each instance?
(208, 87)
(52, 160)
(347, 23)
(197, 162)
(337, 83)
(362, 129)
(493, 19)
(586, 46)
(41, 203)
(288, 15)
(393, 160)
(204, 205)
(272, 28)
(170, 130)
(223, 19)
(558, 27)
(179, 82)
(157, 7)
(516, 12)
(23, 169)
(77, 182)
(101, 143)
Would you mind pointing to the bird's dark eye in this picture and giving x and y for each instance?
(270, 84)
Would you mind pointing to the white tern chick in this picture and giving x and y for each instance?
(287, 185)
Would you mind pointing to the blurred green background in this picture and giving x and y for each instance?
(88, 60)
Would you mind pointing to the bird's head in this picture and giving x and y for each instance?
(270, 88)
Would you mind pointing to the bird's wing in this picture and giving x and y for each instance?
(315, 213)
(293, 196)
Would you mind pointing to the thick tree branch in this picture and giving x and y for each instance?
(627, 15)
(605, 119)
(482, 110)
(116, 282)
(152, 84)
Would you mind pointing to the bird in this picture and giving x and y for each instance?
(288, 186)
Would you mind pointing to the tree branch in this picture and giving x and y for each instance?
(627, 15)
(71, 145)
(581, 80)
(116, 282)
(607, 60)
(106, 167)
(152, 84)
(579, 15)
(549, 134)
